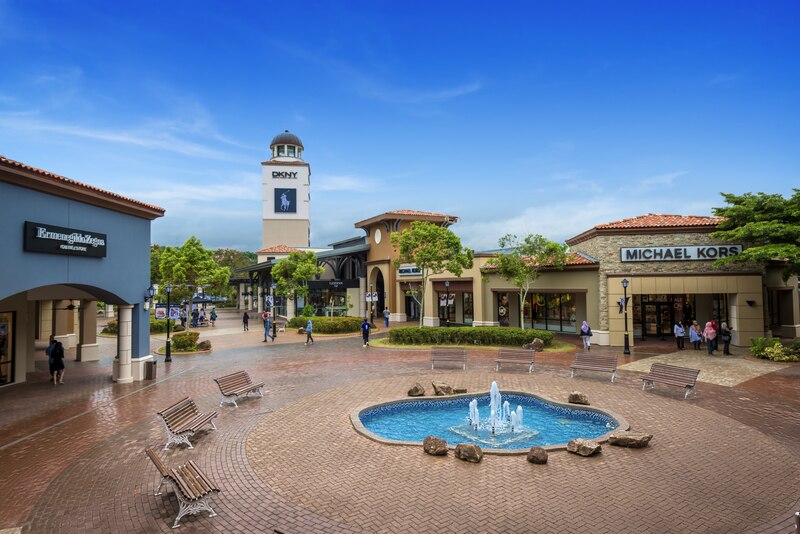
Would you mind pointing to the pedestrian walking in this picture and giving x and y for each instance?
(726, 334)
(202, 316)
(309, 328)
(213, 316)
(680, 334)
(56, 362)
(709, 334)
(586, 334)
(246, 322)
(365, 332)
(48, 352)
(195, 317)
(267, 326)
(695, 337)
(715, 326)
(183, 317)
(386, 314)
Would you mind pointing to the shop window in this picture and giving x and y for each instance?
(6, 347)
(447, 307)
(469, 308)
(282, 150)
(290, 151)
(568, 318)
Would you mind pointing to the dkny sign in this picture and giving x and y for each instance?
(688, 253)
(282, 174)
(51, 239)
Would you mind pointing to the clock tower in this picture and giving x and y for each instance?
(286, 218)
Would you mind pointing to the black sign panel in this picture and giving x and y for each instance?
(332, 284)
(285, 200)
(40, 237)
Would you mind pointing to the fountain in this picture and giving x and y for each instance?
(503, 426)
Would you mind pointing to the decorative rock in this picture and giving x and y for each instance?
(456, 391)
(416, 390)
(626, 438)
(583, 446)
(537, 345)
(537, 455)
(576, 397)
(469, 452)
(435, 446)
(441, 389)
(204, 345)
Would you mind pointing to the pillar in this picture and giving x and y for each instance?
(260, 303)
(241, 298)
(431, 311)
(362, 296)
(122, 364)
(61, 318)
(88, 349)
(109, 311)
(291, 308)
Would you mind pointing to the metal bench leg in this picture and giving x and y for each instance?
(688, 390)
(572, 374)
(260, 393)
(192, 508)
(178, 440)
(161, 485)
(497, 367)
(613, 376)
(530, 369)
(213, 425)
(226, 400)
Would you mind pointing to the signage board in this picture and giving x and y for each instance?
(51, 239)
(284, 174)
(409, 270)
(161, 311)
(174, 312)
(268, 300)
(679, 253)
(285, 200)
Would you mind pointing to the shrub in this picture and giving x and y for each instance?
(467, 335)
(308, 311)
(112, 327)
(779, 353)
(329, 325)
(159, 326)
(185, 341)
(758, 345)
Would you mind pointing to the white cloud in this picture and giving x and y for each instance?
(662, 180)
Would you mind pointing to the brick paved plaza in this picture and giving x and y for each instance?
(727, 460)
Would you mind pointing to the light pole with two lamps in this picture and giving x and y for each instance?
(447, 301)
(371, 305)
(168, 357)
(627, 349)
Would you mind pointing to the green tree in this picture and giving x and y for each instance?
(189, 266)
(234, 259)
(770, 224)
(434, 250)
(292, 273)
(155, 264)
(524, 260)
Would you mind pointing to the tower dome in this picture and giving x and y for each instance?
(286, 145)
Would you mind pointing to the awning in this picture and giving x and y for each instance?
(458, 286)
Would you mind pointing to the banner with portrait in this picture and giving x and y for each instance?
(503, 309)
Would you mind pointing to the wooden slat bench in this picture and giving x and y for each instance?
(673, 375)
(183, 419)
(237, 385)
(517, 356)
(192, 487)
(595, 362)
(449, 354)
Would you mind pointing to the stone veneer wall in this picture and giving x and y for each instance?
(606, 248)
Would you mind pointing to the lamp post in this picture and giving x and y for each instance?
(371, 305)
(625, 283)
(168, 357)
(447, 301)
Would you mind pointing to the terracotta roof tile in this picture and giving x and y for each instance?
(278, 249)
(415, 212)
(75, 183)
(657, 220)
(573, 258)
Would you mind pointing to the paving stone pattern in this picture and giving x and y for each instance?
(73, 456)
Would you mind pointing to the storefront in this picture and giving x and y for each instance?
(69, 245)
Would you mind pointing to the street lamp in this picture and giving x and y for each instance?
(168, 357)
(272, 313)
(625, 283)
(148, 296)
(447, 300)
(371, 305)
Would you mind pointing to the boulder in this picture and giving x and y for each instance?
(537, 455)
(456, 391)
(441, 389)
(627, 438)
(416, 390)
(435, 446)
(204, 345)
(583, 446)
(469, 452)
(576, 397)
(537, 345)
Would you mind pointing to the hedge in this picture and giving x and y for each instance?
(157, 326)
(773, 349)
(467, 335)
(185, 341)
(329, 325)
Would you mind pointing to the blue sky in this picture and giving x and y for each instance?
(540, 117)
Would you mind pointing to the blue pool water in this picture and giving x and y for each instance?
(544, 423)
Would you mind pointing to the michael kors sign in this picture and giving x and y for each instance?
(688, 253)
(282, 174)
(51, 239)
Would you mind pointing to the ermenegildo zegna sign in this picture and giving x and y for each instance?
(51, 239)
(687, 253)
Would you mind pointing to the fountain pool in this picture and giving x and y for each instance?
(510, 422)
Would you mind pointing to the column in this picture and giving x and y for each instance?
(362, 296)
(60, 322)
(240, 298)
(431, 311)
(291, 308)
(250, 300)
(479, 293)
(88, 349)
(122, 364)
(109, 311)
(260, 303)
